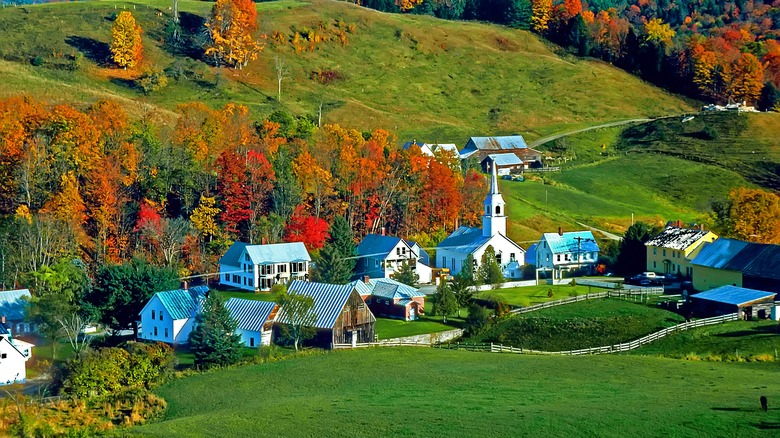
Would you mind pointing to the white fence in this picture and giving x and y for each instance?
(615, 285)
(497, 348)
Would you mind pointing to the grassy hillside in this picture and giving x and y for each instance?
(425, 78)
(449, 393)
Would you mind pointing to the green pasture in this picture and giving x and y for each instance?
(530, 295)
(387, 328)
(455, 393)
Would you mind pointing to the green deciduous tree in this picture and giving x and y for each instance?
(489, 271)
(214, 341)
(298, 317)
(445, 303)
(406, 274)
(461, 288)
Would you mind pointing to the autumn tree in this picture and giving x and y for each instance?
(541, 15)
(259, 187)
(747, 79)
(231, 186)
(658, 32)
(126, 47)
(229, 32)
(204, 217)
(750, 214)
(310, 230)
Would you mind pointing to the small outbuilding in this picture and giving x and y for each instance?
(504, 163)
(731, 299)
(254, 320)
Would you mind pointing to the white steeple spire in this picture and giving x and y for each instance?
(494, 219)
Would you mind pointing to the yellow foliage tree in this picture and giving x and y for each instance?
(407, 5)
(747, 79)
(755, 215)
(541, 13)
(204, 217)
(126, 47)
(229, 33)
(658, 32)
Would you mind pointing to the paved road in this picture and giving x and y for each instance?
(544, 140)
(605, 233)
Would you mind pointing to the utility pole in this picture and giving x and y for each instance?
(579, 240)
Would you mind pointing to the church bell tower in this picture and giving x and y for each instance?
(494, 217)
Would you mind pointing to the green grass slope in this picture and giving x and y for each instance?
(429, 392)
(430, 79)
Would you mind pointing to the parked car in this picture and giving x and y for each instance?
(645, 279)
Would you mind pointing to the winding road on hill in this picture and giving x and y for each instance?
(550, 138)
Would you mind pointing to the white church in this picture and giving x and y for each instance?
(452, 251)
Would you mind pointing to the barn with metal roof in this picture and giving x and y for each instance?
(254, 320)
(738, 263)
(339, 314)
(731, 299)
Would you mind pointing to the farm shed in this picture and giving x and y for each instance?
(342, 317)
(254, 320)
(504, 163)
(731, 299)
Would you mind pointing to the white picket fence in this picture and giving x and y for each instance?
(498, 348)
(615, 285)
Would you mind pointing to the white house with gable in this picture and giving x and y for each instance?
(14, 355)
(170, 316)
(258, 267)
(380, 256)
(571, 251)
(465, 241)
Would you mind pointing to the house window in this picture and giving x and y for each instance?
(398, 251)
(3, 356)
(655, 251)
(444, 262)
(236, 279)
(498, 259)
(559, 257)
(161, 316)
(153, 317)
(512, 257)
(155, 331)
(376, 263)
(166, 332)
(246, 257)
(227, 277)
(252, 341)
(653, 264)
(664, 252)
(282, 269)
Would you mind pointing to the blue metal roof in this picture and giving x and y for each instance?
(508, 142)
(464, 240)
(362, 288)
(266, 254)
(377, 245)
(719, 253)
(734, 295)
(13, 304)
(508, 159)
(392, 289)
(329, 301)
(571, 242)
(181, 303)
(250, 315)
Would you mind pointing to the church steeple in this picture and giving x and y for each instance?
(494, 219)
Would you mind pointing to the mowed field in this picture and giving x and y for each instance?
(423, 78)
(430, 392)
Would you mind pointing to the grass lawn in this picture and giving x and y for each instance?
(730, 340)
(457, 393)
(584, 324)
(259, 296)
(387, 328)
(529, 295)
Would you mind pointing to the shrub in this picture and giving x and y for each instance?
(37, 60)
(326, 76)
(152, 81)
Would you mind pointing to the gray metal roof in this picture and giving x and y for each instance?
(752, 259)
(362, 288)
(266, 254)
(676, 238)
(508, 159)
(734, 295)
(13, 304)
(503, 143)
(329, 301)
(392, 289)
(464, 240)
(250, 315)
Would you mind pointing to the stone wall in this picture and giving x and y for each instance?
(426, 339)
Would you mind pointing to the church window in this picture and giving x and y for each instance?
(512, 257)
(498, 259)
(498, 209)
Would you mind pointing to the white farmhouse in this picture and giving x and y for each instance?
(465, 241)
(14, 355)
(560, 252)
(255, 320)
(380, 256)
(258, 267)
(170, 316)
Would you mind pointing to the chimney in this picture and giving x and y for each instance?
(262, 240)
(2, 319)
(184, 285)
(560, 231)
(383, 231)
(366, 279)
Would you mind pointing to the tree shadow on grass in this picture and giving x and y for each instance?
(768, 425)
(94, 50)
(764, 329)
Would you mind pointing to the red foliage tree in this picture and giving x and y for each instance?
(305, 228)
(232, 189)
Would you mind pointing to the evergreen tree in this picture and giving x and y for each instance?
(632, 255)
(770, 96)
(214, 341)
(518, 14)
(489, 271)
(336, 260)
(445, 303)
(406, 274)
(126, 48)
(466, 274)
(462, 290)
(579, 35)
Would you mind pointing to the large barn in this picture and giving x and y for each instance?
(732, 299)
(342, 317)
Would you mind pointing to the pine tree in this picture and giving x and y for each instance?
(214, 341)
(462, 290)
(445, 303)
(406, 274)
(489, 271)
(336, 261)
(518, 14)
(126, 47)
(466, 274)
